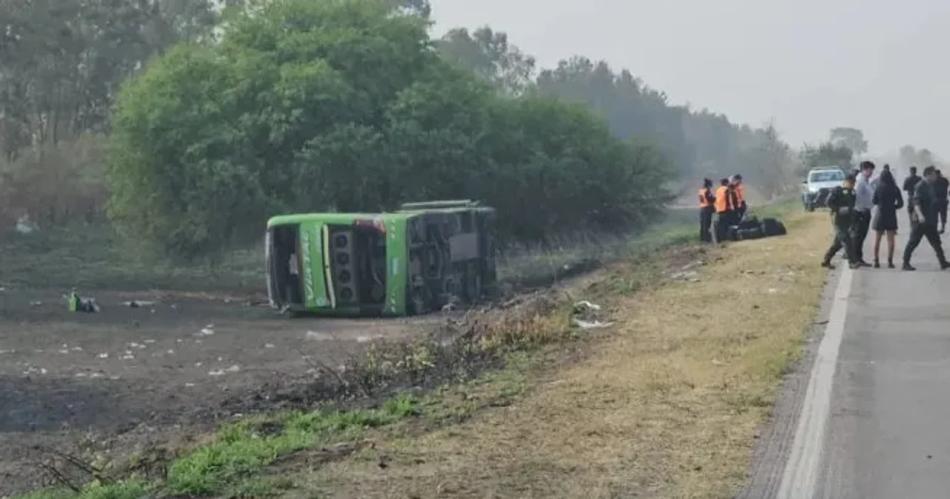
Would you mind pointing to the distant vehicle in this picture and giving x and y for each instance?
(818, 184)
(416, 260)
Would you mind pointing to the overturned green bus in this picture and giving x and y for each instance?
(415, 260)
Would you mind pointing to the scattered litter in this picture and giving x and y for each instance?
(179, 340)
(691, 276)
(207, 331)
(773, 291)
(586, 316)
(585, 307)
(189, 385)
(591, 325)
(199, 364)
(139, 304)
(26, 226)
(76, 349)
(269, 345)
(128, 356)
(81, 375)
(64, 352)
(693, 265)
(315, 336)
(149, 342)
(138, 346)
(97, 376)
(103, 355)
(170, 352)
(36, 304)
(76, 303)
(367, 339)
(222, 372)
(4, 352)
(35, 370)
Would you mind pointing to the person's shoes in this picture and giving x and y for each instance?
(890, 265)
(863, 263)
(877, 264)
(856, 266)
(944, 265)
(908, 268)
(826, 264)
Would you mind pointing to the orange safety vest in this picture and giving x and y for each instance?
(722, 200)
(740, 194)
(704, 198)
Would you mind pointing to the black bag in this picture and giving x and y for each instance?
(750, 234)
(772, 227)
(750, 223)
(733, 233)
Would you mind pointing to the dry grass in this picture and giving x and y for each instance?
(666, 405)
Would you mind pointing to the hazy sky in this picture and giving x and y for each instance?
(809, 65)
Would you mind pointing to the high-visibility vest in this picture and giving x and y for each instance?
(704, 198)
(723, 201)
(740, 194)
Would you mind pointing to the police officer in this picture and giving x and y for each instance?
(841, 203)
(707, 206)
(924, 220)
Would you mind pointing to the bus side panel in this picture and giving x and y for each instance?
(311, 251)
(397, 256)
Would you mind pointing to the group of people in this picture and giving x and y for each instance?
(853, 214)
(720, 208)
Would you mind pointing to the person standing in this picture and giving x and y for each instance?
(924, 220)
(707, 206)
(941, 188)
(725, 207)
(888, 199)
(841, 203)
(910, 183)
(741, 206)
(864, 203)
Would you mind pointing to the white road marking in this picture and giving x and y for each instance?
(801, 470)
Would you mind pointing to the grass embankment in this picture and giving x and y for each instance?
(666, 403)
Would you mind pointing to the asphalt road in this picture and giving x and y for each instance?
(871, 411)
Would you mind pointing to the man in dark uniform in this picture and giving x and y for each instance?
(910, 183)
(841, 203)
(941, 188)
(924, 220)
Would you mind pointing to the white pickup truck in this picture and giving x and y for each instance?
(818, 185)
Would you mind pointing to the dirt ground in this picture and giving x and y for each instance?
(127, 376)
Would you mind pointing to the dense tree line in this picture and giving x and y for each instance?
(697, 144)
(344, 104)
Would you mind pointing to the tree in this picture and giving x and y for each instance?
(851, 138)
(828, 154)
(489, 55)
(315, 106)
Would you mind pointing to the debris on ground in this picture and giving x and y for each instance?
(688, 276)
(315, 336)
(76, 303)
(586, 316)
(139, 304)
(36, 304)
(207, 330)
(221, 372)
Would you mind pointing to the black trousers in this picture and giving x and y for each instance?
(920, 231)
(942, 213)
(842, 240)
(723, 221)
(862, 224)
(705, 224)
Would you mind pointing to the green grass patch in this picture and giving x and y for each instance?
(240, 451)
(245, 448)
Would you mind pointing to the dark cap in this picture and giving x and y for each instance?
(867, 165)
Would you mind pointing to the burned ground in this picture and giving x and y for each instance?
(140, 374)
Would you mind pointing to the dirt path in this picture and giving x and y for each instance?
(667, 404)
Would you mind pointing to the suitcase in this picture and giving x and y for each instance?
(772, 227)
